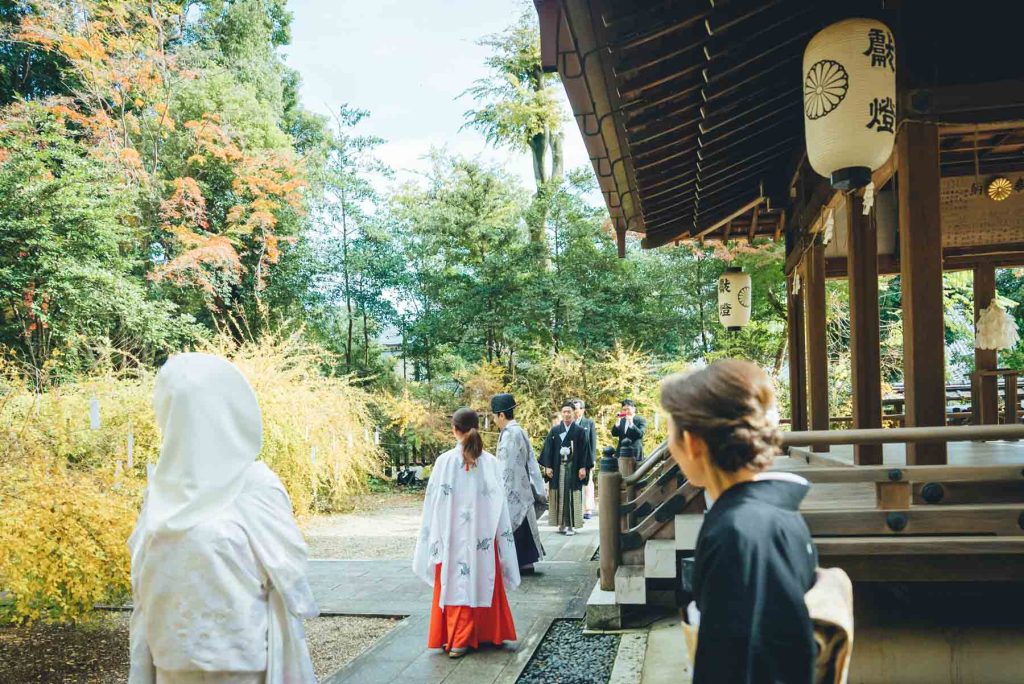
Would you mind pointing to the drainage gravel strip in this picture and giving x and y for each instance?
(568, 656)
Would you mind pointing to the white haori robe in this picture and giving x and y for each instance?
(227, 595)
(465, 514)
(524, 484)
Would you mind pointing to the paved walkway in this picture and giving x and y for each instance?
(388, 588)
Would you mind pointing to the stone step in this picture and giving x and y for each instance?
(660, 559)
(602, 610)
(630, 585)
(687, 528)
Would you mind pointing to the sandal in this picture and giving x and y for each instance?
(457, 652)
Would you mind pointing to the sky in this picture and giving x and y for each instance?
(407, 62)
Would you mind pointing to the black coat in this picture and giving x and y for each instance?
(754, 562)
(635, 432)
(550, 455)
(591, 429)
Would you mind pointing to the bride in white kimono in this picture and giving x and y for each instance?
(218, 564)
(466, 549)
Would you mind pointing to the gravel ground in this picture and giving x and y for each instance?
(98, 654)
(568, 656)
(382, 527)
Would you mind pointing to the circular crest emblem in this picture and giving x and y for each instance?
(743, 297)
(824, 88)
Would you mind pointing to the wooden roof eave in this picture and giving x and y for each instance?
(585, 71)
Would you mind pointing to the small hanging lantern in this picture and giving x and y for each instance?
(995, 328)
(734, 298)
(850, 100)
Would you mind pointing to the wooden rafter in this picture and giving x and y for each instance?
(752, 233)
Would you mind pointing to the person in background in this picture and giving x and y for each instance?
(466, 548)
(755, 559)
(580, 412)
(218, 564)
(566, 461)
(628, 425)
(524, 484)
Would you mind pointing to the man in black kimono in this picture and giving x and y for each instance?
(628, 425)
(566, 459)
(580, 412)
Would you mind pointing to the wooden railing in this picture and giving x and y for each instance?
(625, 524)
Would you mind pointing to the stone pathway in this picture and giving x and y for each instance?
(387, 588)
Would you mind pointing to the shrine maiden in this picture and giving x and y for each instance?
(466, 549)
(218, 564)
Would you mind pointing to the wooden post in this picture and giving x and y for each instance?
(627, 466)
(865, 339)
(797, 358)
(609, 482)
(620, 239)
(924, 359)
(984, 388)
(1010, 387)
(817, 347)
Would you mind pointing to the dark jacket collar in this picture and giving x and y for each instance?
(784, 494)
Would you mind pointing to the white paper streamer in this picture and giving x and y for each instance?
(94, 413)
(312, 454)
(796, 284)
(131, 447)
(376, 436)
(995, 329)
(830, 228)
(869, 198)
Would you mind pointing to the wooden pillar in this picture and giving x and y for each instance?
(609, 482)
(797, 357)
(984, 390)
(620, 238)
(817, 346)
(924, 359)
(865, 338)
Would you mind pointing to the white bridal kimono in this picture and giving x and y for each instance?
(465, 514)
(218, 564)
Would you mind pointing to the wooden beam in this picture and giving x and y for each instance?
(817, 334)
(797, 357)
(984, 390)
(752, 231)
(912, 474)
(780, 226)
(920, 234)
(982, 102)
(739, 212)
(620, 239)
(725, 233)
(998, 519)
(865, 337)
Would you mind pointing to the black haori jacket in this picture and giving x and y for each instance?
(754, 562)
(577, 440)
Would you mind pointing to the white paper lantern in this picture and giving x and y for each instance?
(850, 100)
(734, 298)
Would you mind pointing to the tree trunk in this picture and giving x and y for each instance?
(366, 339)
(700, 304)
(348, 291)
(555, 140)
(539, 149)
(780, 355)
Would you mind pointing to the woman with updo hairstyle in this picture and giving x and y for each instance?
(466, 548)
(755, 559)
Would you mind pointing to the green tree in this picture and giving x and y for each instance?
(69, 254)
(519, 110)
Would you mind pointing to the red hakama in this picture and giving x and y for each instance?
(462, 627)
